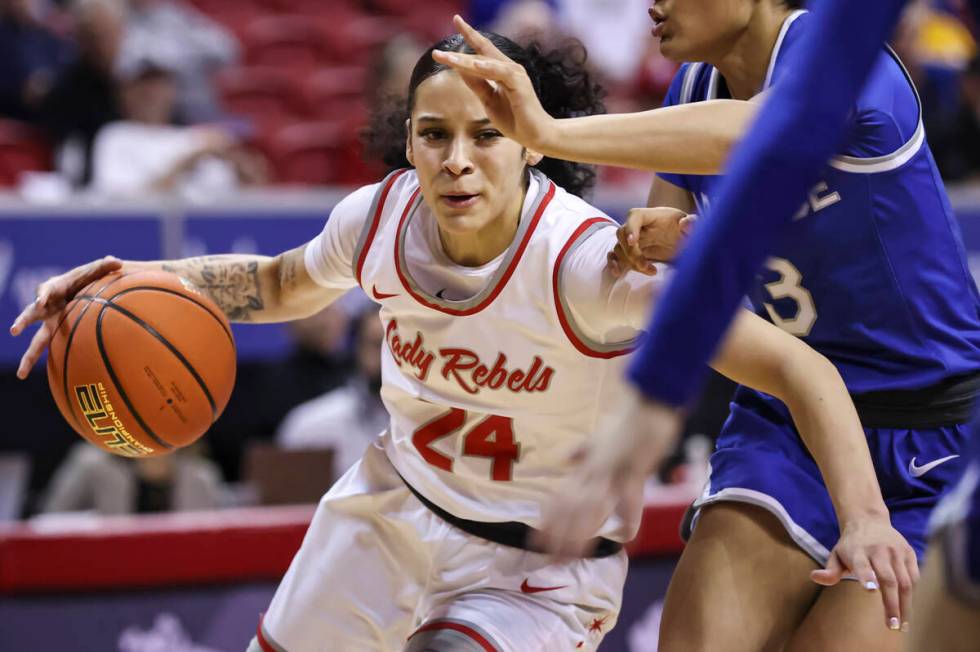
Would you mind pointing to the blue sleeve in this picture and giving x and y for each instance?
(798, 130)
(672, 99)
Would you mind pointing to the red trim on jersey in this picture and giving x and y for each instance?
(462, 629)
(562, 317)
(264, 644)
(375, 221)
(503, 279)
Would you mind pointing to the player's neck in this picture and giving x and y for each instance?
(479, 247)
(744, 65)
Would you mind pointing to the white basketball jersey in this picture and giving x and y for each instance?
(490, 396)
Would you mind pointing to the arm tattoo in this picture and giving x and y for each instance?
(232, 281)
(287, 271)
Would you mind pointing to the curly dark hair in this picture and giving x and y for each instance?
(563, 84)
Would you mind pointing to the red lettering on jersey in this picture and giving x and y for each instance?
(539, 384)
(465, 367)
(459, 360)
(413, 353)
(499, 373)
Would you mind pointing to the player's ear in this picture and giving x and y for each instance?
(531, 157)
(408, 142)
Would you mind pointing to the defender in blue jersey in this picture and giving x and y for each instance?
(871, 273)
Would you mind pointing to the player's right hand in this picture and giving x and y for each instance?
(52, 297)
(648, 236)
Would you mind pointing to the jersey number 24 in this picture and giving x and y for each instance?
(492, 437)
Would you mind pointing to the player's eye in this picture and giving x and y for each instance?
(432, 134)
(488, 135)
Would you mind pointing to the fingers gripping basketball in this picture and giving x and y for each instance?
(141, 364)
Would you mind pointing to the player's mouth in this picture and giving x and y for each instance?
(460, 199)
(659, 20)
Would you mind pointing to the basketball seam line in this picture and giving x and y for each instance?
(170, 347)
(71, 337)
(182, 296)
(115, 379)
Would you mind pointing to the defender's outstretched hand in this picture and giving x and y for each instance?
(503, 86)
(52, 297)
(649, 235)
(613, 469)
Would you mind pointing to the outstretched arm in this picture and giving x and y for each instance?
(247, 288)
(687, 139)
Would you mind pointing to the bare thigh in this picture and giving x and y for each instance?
(847, 618)
(939, 620)
(740, 585)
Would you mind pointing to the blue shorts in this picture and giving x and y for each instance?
(956, 526)
(760, 459)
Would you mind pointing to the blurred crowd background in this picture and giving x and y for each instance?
(205, 100)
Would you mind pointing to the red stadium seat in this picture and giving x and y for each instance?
(22, 148)
(432, 20)
(236, 15)
(307, 153)
(319, 153)
(265, 94)
(293, 42)
(330, 9)
(435, 11)
(357, 40)
(337, 92)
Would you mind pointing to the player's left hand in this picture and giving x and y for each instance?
(612, 470)
(881, 559)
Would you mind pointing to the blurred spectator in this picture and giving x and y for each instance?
(612, 32)
(92, 480)
(84, 97)
(145, 153)
(936, 48)
(347, 419)
(393, 68)
(484, 13)
(956, 143)
(30, 57)
(185, 41)
(527, 20)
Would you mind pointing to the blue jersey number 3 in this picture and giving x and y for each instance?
(789, 286)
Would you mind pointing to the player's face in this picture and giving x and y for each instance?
(472, 177)
(699, 30)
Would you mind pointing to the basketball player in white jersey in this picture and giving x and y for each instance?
(504, 347)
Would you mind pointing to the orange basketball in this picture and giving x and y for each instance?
(142, 364)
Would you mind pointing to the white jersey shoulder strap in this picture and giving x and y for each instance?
(371, 224)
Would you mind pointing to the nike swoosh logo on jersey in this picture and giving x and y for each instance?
(527, 588)
(919, 471)
(380, 296)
